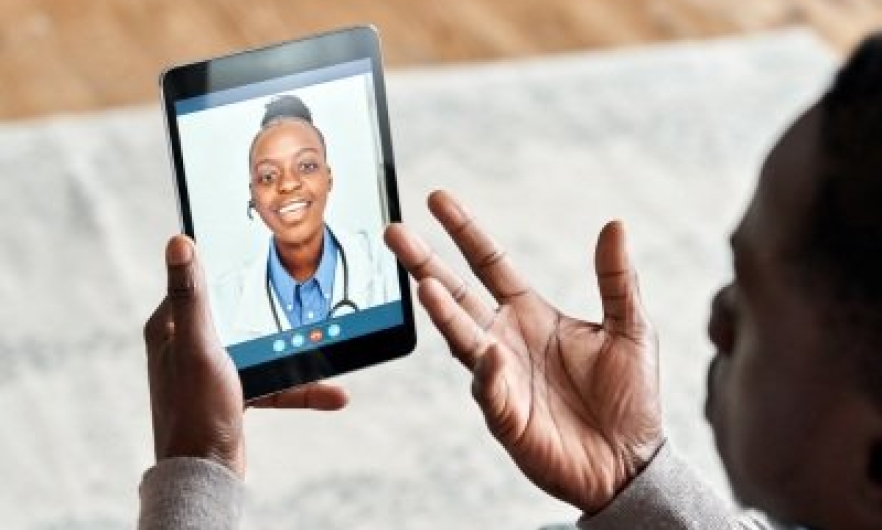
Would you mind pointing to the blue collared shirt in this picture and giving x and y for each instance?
(307, 302)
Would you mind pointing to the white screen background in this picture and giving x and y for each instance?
(215, 144)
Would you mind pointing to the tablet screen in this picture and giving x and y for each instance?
(284, 183)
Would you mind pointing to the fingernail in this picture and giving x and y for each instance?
(179, 253)
(452, 210)
(457, 213)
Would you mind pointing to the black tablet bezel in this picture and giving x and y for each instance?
(266, 63)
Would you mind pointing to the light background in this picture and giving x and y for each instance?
(667, 138)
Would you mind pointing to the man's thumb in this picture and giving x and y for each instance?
(187, 297)
(617, 280)
(185, 286)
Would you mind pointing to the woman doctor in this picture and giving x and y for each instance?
(307, 272)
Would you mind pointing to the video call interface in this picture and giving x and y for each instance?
(270, 168)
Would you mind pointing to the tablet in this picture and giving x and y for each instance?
(285, 180)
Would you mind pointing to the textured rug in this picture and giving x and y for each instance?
(667, 138)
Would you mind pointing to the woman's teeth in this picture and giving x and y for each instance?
(293, 207)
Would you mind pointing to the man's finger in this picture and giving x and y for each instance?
(316, 396)
(489, 387)
(488, 261)
(617, 280)
(421, 262)
(505, 416)
(466, 339)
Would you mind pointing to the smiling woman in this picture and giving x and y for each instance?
(304, 271)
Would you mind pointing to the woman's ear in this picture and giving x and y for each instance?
(250, 207)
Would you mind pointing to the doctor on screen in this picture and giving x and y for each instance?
(307, 272)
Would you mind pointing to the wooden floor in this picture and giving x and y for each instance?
(67, 55)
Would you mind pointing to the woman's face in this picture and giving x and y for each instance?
(290, 181)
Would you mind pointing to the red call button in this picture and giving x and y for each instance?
(315, 335)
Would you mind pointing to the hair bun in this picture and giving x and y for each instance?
(286, 106)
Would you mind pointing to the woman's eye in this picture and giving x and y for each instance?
(307, 168)
(266, 178)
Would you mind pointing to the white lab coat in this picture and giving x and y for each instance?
(241, 306)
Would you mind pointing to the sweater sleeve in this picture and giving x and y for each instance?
(190, 494)
(667, 495)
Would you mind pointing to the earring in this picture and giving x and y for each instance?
(250, 207)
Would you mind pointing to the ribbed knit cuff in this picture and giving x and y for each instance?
(666, 495)
(190, 494)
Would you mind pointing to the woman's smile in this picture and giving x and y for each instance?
(294, 210)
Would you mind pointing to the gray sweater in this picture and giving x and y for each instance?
(191, 494)
(668, 495)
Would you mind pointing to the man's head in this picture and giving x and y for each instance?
(795, 392)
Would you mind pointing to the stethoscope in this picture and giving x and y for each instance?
(344, 303)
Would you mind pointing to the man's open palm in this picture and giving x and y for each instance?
(574, 403)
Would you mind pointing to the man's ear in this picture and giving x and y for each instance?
(330, 178)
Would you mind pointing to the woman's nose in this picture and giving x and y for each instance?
(289, 181)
